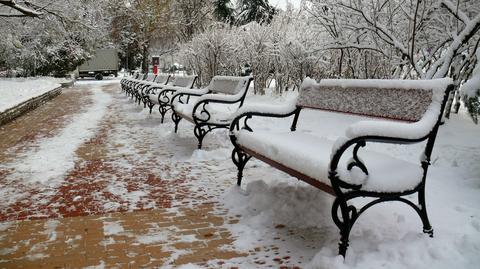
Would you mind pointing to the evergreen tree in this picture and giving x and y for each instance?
(254, 10)
(222, 11)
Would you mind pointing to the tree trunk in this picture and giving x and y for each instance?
(259, 86)
(145, 59)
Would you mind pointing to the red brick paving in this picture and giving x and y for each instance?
(77, 205)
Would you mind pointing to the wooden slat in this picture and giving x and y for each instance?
(322, 186)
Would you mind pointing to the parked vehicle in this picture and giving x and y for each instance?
(105, 62)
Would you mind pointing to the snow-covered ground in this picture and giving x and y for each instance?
(278, 210)
(35, 165)
(282, 219)
(17, 90)
(93, 81)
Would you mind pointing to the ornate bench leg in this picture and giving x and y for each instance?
(200, 133)
(427, 228)
(240, 159)
(176, 119)
(345, 224)
(163, 110)
(150, 107)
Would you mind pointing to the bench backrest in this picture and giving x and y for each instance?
(184, 81)
(162, 78)
(228, 84)
(404, 100)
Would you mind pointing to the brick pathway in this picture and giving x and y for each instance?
(124, 240)
(135, 197)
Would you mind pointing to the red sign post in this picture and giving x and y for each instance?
(155, 63)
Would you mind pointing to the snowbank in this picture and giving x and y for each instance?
(16, 91)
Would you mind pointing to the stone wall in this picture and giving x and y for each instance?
(14, 112)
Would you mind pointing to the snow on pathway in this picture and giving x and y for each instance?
(284, 222)
(55, 156)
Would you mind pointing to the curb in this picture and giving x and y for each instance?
(68, 83)
(20, 109)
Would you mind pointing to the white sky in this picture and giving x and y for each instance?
(283, 3)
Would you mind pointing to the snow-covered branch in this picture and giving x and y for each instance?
(23, 10)
(453, 9)
(441, 67)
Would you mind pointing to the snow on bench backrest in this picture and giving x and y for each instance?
(405, 100)
(162, 78)
(228, 84)
(184, 81)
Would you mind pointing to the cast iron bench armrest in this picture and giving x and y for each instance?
(153, 89)
(163, 93)
(203, 101)
(188, 93)
(172, 89)
(343, 144)
(158, 86)
(248, 112)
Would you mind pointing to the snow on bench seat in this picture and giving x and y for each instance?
(311, 155)
(218, 114)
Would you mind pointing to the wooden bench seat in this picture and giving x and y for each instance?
(399, 112)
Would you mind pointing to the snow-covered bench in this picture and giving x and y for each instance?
(126, 82)
(132, 83)
(141, 89)
(139, 84)
(402, 112)
(211, 107)
(162, 95)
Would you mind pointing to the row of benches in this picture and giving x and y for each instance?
(402, 112)
(194, 105)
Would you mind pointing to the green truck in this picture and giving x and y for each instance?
(105, 62)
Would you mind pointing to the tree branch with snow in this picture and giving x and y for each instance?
(21, 10)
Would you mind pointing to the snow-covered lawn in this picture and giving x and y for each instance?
(18, 90)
